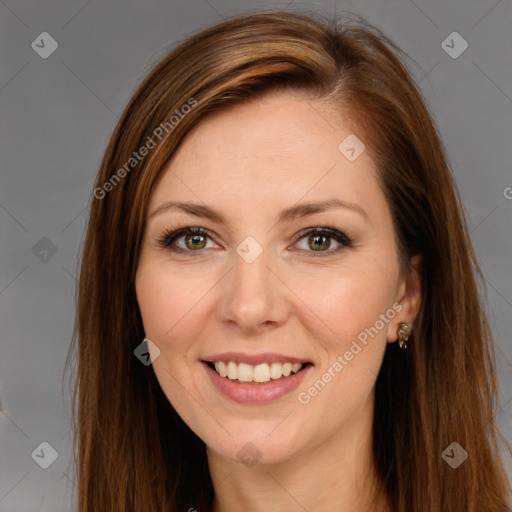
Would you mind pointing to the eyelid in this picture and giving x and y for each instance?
(325, 230)
(171, 234)
(340, 238)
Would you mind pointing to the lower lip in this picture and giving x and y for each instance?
(256, 393)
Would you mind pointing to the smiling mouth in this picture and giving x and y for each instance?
(244, 373)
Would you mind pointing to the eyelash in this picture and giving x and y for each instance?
(173, 234)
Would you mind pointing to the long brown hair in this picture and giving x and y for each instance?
(133, 452)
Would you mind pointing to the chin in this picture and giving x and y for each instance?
(251, 454)
(257, 444)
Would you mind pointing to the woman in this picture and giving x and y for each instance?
(275, 228)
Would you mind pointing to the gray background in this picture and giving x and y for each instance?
(56, 115)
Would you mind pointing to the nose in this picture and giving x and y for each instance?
(254, 297)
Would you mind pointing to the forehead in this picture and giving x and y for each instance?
(272, 151)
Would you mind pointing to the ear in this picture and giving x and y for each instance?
(408, 297)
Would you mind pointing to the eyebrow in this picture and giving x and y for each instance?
(286, 215)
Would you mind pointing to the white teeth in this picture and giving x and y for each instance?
(276, 370)
(221, 369)
(232, 370)
(264, 372)
(244, 372)
(261, 373)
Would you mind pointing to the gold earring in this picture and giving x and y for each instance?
(403, 334)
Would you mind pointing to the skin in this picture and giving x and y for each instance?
(249, 162)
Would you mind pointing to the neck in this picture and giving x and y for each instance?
(338, 475)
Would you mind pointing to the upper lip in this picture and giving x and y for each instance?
(254, 359)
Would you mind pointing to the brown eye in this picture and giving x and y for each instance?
(319, 240)
(194, 239)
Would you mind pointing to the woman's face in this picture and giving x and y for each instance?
(256, 290)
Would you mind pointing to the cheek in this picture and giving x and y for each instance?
(358, 311)
(169, 306)
(165, 300)
(348, 302)
(356, 306)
